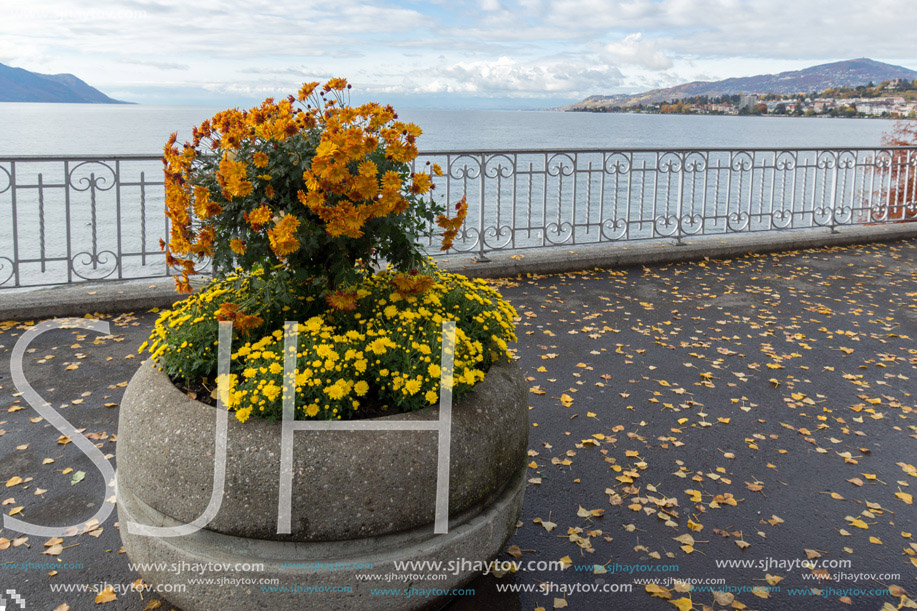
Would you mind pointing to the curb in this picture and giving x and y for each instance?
(110, 297)
(132, 295)
(558, 260)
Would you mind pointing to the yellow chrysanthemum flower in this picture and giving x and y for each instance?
(412, 387)
(336, 391)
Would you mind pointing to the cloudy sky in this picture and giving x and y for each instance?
(439, 53)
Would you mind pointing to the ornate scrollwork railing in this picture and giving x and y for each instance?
(568, 197)
(73, 219)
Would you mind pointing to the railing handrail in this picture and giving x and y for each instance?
(520, 151)
(131, 157)
(725, 149)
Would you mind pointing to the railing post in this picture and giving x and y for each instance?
(837, 175)
(909, 180)
(15, 219)
(67, 185)
(41, 221)
(482, 257)
(93, 220)
(679, 211)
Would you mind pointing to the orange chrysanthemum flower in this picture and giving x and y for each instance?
(412, 283)
(452, 225)
(234, 177)
(241, 320)
(283, 236)
(342, 300)
(260, 159)
(237, 246)
(259, 216)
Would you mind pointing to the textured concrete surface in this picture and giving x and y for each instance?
(87, 298)
(346, 484)
(123, 296)
(479, 534)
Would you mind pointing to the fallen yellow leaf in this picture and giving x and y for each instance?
(683, 604)
(106, 596)
(658, 591)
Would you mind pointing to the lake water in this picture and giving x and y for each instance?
(92, 220)
(96, 129)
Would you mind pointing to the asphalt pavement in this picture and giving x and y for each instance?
(738, 432)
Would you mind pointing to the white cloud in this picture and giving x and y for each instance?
(636, 50)
(488, 48)
(506, 75)
(156, 64)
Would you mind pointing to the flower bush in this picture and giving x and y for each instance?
(305, 199)
(383, 354)
(308, 182)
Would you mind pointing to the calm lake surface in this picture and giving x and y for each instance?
(101, 129)
(74, 227)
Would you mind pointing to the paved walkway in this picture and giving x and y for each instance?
(721, 420)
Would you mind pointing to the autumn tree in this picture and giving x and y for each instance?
(899, 192)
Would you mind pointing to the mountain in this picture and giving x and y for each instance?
(850, 73)
(18, 85)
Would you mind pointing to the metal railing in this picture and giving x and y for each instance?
(74, 219)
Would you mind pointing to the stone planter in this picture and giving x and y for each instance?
(361, 501)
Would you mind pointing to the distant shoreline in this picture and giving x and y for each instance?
(722, 114)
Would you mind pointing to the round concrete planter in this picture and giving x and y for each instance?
(361, 501)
